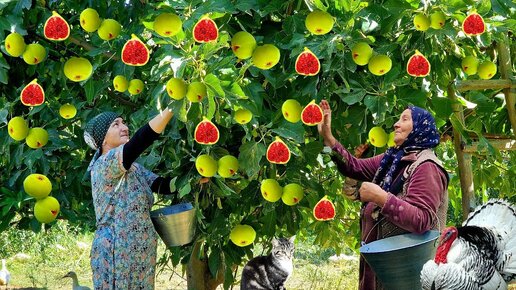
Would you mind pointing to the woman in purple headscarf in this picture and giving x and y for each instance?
(403, 189)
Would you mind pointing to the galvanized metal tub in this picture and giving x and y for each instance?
(398, 260)
(175, 224)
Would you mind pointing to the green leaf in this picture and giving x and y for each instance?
(89, 89)
(214, 261)
(352, 97)
(213, 84)
(251, 154)
(294, 131)
(311, 151)
(377, 105)
(185, 190)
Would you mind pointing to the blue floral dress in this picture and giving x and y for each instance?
(123, 254)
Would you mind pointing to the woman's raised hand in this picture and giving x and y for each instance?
(324, 127)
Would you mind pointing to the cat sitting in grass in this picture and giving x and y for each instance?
(272, 271)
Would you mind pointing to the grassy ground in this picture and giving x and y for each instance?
(41, 260)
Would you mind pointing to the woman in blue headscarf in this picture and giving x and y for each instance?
(403, 189)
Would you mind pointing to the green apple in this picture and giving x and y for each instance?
(90, 20)
(37, 138)
(14, 44)
(206, 165)
(37, 185)
(242, 235)
(271, 190)
(18, 128)
(243, 116)
(292, 194)
(227, 166)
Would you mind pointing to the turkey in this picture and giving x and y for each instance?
(479, 255)
(5, 276)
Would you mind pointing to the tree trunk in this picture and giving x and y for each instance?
(198, 272)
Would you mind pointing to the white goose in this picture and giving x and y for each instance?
(5, 276)
(76, 285)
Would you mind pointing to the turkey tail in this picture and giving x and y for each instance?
(499, 216)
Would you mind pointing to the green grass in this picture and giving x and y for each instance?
(62, 249)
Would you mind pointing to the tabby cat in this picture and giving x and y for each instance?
(272, 271)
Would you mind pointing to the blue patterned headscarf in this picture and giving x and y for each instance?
(424, 135)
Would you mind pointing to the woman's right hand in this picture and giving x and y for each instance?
(324, 127)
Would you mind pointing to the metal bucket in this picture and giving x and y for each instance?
(175, 224)
(398, 260)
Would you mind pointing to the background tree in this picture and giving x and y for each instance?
(360, 100)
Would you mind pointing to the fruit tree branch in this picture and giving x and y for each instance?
(88, 47)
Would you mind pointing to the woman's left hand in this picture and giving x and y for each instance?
(371, 192)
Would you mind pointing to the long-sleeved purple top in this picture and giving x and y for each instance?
(415, 212)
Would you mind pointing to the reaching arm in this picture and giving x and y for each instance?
(144, 137)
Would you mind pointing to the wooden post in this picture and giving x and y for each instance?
(505, 64)
(463, 159)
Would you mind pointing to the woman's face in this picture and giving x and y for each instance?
(117, 134)
(403, 127)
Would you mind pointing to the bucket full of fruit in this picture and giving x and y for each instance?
(175, 224)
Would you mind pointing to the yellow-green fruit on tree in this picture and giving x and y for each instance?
(37, 138)
(421, 22)
(109, 29)
(437, 20)
(167, 24)
(470, 65)
(14, 44)
(176, 88)
(378, 137)
(206, 165)
(266, 56)
(390, 141)
(227, 166)
(291, 110)
(292, 194)
(319, 22)
(135, 86)
(361, 53)
(242, 235)
(243, 44)
(196, 91)
(78, 69)
(379, 64)
(120, 83)
(271, 190)
(34, 53)
(37, 185)
(67, 111)
(46, 209)
(486, 70)
(18, 128)
(90, 20)
(243, 116)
